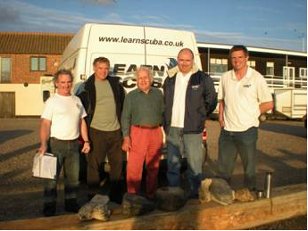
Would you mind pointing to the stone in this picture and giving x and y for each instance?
(170, 198)
(216, 189)
(244, 195)
(135, 205)
(97, 209)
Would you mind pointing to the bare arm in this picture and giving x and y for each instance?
(221, 108)
(264, 107)
(44, 135)
(85, 137)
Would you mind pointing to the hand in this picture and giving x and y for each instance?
(42, 149)
(86, 148)
(126, 146)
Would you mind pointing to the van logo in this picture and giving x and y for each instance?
(172, 63)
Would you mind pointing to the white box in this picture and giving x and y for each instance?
(45, 166)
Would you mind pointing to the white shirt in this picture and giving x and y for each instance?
(65, 113)
(242, 99)
(179, 99)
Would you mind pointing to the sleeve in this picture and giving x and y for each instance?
(210, 96)
(264, 93)
(48, 110)
(162, 104)
(126, 116)
(221, 94)
(122, 95)
(83, 112)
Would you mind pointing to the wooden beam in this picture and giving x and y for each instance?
(286, 202)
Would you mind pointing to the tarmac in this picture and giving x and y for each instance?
(282, 149)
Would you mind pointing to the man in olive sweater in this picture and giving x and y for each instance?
(141, 127)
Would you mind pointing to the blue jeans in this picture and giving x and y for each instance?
(189, 146)
(67, 153)
(244, 144)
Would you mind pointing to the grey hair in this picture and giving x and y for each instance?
(62, 72)
(146, 69)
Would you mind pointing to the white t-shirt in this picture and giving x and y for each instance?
(242, 99)
(179, 99)
(65, 113)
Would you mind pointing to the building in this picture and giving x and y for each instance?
(27, 61)
(24, 58)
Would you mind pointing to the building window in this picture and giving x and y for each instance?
(38, 64)
(218, 66)
(5, 69)
(270, 68)
(303, 73)
(251, 63)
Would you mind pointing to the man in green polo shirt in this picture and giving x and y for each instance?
(141, 127)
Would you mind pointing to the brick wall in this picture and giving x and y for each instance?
(21, 67)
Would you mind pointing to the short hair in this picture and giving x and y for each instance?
(189, 50)
(146, 69)
(239, 48)
(101, 60)
(62, 72)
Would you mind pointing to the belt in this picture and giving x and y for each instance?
(64, 141)
(147, 126)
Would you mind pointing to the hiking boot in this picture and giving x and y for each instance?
(49, 209)
(71, 205)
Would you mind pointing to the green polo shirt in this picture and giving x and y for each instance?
(142, 109)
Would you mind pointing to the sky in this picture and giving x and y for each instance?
(280, 24)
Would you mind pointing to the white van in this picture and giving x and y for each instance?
(127, 47)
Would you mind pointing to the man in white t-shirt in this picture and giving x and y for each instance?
(62, 122)
(243, 96)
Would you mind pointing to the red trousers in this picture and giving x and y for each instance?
(146, 146)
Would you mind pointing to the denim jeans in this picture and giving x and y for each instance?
(189, 146)
(67, 153)
(244, 144)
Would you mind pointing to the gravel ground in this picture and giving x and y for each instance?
(282, 148)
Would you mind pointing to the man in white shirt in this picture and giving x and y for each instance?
(62, 122)
(243, 96)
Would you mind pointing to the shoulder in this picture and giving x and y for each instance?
(226, 75)
(76, 98)
(113, 79)
(156, 91)
(257, 76)
(132, 93)
(52, 99)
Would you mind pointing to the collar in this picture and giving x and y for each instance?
(150, 90)
(246, 76)
(173, 71)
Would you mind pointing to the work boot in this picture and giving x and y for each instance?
(49, 209)
(71, 205)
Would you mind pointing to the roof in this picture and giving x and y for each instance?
(33, 42)
(253, 49)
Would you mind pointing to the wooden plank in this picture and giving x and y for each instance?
(286, 202)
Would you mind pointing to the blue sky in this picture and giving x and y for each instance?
(278, 24)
